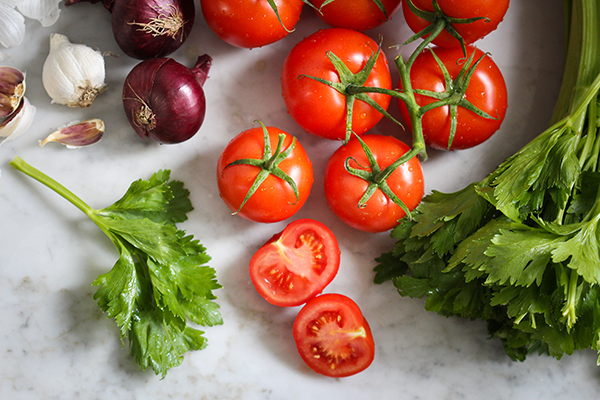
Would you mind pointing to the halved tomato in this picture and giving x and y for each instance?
(296, 264)
(333, 337)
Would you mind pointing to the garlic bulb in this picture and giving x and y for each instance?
(73, 74)
(19, 121)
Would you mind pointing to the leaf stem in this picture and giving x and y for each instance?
(19, 164)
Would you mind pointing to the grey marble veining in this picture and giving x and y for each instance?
(55, 343)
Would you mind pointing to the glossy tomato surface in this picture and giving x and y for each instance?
(296, 264)
(493, 10)
(360, 15)
(251, 23)
(343, 190)
(274, 200)
(486, 90)
(333, 337)
(318, 108)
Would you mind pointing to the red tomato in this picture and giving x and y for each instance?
(486, 90)
(275, 199)
(251, 23)
(360, 15)
(333, 337)
(492, 9)
(296, 264)
(343, 190)
(318, 108)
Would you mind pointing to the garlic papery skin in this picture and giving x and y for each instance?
(12, 28)
(73, 74)
(79, 134)
(45, 11)
(19, 121)
(12, 89)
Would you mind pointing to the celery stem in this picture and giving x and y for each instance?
(44, 179)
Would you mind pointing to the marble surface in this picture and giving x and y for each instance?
(55, 343)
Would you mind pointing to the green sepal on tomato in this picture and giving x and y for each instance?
(262, 184)
(477, 105)
(459, 23)
(296, 264)
(333, 337)
(342, 58)
(360, 15)
(250, 24)
(368, 188)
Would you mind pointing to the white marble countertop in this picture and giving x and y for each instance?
(55, 343)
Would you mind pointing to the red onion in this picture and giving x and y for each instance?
(164, 100)
(148, 28)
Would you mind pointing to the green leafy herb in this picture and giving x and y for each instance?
(160, 281)
(521, 249)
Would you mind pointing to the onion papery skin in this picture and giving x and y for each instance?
(135, 29)
(164, 100)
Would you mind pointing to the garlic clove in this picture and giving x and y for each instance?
(12, 28)
(18, 122)
(12, 89)
(77, 135)
(73, 74)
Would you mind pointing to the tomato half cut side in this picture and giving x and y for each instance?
(333, 337)
(296, 264)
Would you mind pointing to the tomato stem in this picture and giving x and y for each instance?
(350, 85)
(276, 11)
(439, 22)
(376, 177)
(268, 164)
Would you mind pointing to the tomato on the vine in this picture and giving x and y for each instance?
(344, 190)
(360, 15)
(492, 11)
(296, 264)
(264, 175)
(252, 23)
(333, 337)
(486, 91)
(320, 109)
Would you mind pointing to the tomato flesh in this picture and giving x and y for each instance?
(296, 264)
(333, 337)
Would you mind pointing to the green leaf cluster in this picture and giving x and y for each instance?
(161, 283)
(521, 249)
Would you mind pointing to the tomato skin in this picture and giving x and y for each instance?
(332, 327)
(495, 10)
(296, 264)
(318, 108)
(274, 200)
(360, 15)
(487, 91)
(343, 190)
(250, 23)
